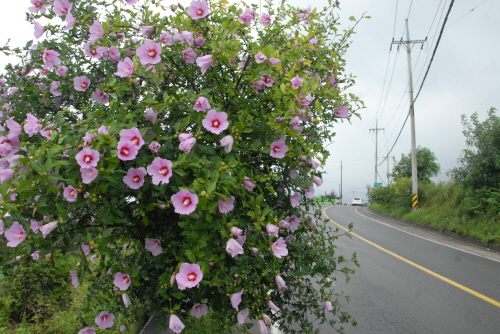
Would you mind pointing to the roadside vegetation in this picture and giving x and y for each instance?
(468, 204)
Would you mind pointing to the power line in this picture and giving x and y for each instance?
(428, 67)
(461, 17)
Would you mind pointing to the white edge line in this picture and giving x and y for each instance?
(416, 235)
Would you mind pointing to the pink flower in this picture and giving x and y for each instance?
(262, 326)
(342, 111)
(61, 70)
(236, 231)
(50, 58)
(89, 174)
(280, 282)
(201, 104)
(38, 6)
(215, 121)
(293, 222)
(273, 306)
(148, 31)
(242, 315)
(279, 248)
(293, 174)
(6, 175)
(35, 255)
(15, 235)
(199, 41)
(132, 135)
(62, 7)
(189, 276)
(226, 205)
(91, 51)
(127, 150)
(189, 55)
(70, 22)
(81, 83)
(247, 184)
(70, 194)
(317, 181)
(278, 149)
(123, 328)
(122, 281)
(204, 62)
(247, 16)
(274, 61)
(85, 249)
(154, 147)
(268, 80)
(114, 54)
(233, 247)
(175, 324)
(47, 228)
(310, 193)
(74, 278)
(258, 85)
(227, 143)
(260, 57)
(198, 10)
(100, 97)
(135, 177)
(35, 226)
(199, 310)
(96, 31)
(154, 246)
(296, 82)
(184, 202)
(187, 36)
(265, 19)
(187, 145)
(105, 320)
(314, 163)
(38, 30)
(160, 170)
(131, 2)
(151, 115)
(236, 299)
(125, 68)
(87, 330)
(328, 305)
(149, 52)
(166, 39)
(295, 199)
(272, 230)
(32, 126)
(87, 158)
(53, 88)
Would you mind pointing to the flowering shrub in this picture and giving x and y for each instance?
(173, 149)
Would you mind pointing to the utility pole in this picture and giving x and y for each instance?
(407, 45)
(376, 130)
(340, 192)
(388, 173)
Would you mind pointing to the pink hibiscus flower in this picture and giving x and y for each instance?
(247, 184)
(122, 281)
(272, 230)
(38, 6)
(242, 315)
(247, 16)
(296, 82)
(204, 62)
(199, 310)
(310, 193)
(154, 147)
(189, 276)
(233, 247)
(151, 115)
(132, 135)
(184, 202)
(226, 205)
(87, 158)
(81, 83)
(32, 126)
(96, 31)
(279, 248)
(38, 30)
(100, 97)
(149, 52)
(342, 111)
(47, 228)
(87, 330)
(236, 299)
(85, 249)
(280, 282)
(317, 181)
(62, 7)
(125, 68)
(278, 149)
(166, 39)
(154, 246)
(70, 194)
(74, 278)
(127, 150)
(215, 121)
(105, 320)
(295, 199)
(189, 55)
(61, 70)
(15, 234)
(161, 170)
(50, 58)
(265, 19)
(175, 324)
(53, 88)
(198, 9)
(70, 22)
(201, 104)
(227, 143)
(135, 177)
(89, 174)
(260, 57)
(274, 61)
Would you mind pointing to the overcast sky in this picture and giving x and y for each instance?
(463, 79)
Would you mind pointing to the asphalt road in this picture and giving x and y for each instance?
(429, 283)
(412, 280)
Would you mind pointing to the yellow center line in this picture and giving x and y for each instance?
(430, 272)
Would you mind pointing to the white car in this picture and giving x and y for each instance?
(357, 201)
